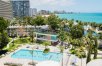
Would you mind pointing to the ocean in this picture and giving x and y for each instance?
(84, 17)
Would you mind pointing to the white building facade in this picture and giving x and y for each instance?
(6, 9)
(33, 12)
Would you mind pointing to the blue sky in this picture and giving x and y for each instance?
(68, 5)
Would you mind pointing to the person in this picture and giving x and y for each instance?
(73, 64)
(74, 61)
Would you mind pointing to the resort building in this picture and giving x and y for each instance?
(20, 8)
(40, 32)
(47, 37)
(5, 9)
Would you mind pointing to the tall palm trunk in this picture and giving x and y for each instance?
(88, 57)
(32, 56)
(32, 37)
(81, 61)
(95, 49)
(62, 59)
(95, 54)
(89, 53)
(61, 43)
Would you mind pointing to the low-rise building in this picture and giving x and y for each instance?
(40, 32)
(44, 12)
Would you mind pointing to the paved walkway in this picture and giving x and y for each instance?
(11, 42)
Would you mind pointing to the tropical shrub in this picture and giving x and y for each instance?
(46, 50)
(73, 51)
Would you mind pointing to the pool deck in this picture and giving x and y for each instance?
(66, 57)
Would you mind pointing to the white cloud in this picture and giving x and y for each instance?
(51, 3)
(62, 2)
(39, 2)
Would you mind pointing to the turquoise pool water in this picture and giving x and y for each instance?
(38, 55)
(85, 17)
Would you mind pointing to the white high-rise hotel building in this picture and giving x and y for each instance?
(14, 8)
(6, 9)
(33, 12)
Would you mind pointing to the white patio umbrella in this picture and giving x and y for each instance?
(48, 63)
(97, 62)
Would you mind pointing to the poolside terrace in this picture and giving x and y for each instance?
(66, 61)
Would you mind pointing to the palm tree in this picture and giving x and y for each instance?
(95, 47)
(61, 51)
(13, 35)
(91, 45)
(63, 37)
(46, 43)
(81, 53)
(89, 51)
(26, 21)
(32, 35)
(32, 53)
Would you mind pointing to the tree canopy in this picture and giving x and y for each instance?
(53, 22)
(77, 31)
(3, 24)
(38, 20)
(3, 34)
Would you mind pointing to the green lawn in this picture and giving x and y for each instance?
(22, 40)
(10, 39)
(17, 43)
(99, 58)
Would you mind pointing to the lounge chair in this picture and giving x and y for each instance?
(28, 47)
(12, 64)
(32, 63)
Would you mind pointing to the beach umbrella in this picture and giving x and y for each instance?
(48, 63)
(97, 62)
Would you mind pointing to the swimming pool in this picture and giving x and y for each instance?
(38, 55)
